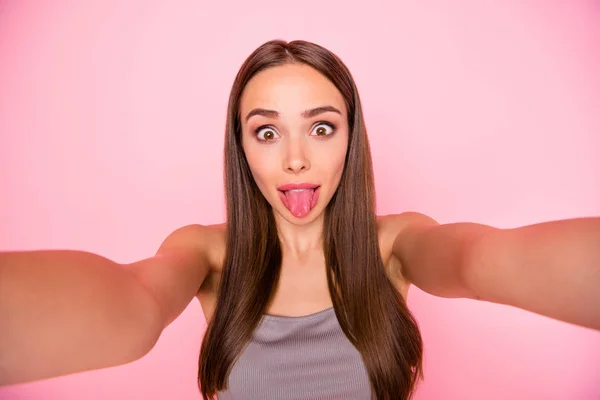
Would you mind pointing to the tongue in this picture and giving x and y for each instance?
(299, 202)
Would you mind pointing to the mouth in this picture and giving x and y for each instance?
(299, 199)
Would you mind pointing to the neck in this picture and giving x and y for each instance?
(298, 241)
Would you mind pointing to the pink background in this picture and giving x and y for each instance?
(111, 133)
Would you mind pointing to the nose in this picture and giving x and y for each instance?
(296, 157)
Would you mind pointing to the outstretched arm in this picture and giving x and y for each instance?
(63, 312)
(550, 268)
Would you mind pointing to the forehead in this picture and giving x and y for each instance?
(290, 88)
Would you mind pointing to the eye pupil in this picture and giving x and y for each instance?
(269, 135)
(321, 131)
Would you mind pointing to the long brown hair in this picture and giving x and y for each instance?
(371, 312)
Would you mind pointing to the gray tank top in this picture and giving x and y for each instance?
(296, 358)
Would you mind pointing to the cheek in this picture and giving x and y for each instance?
(261, 166)
(338, 166)
(336, 157)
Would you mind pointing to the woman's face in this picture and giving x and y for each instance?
(295, 137)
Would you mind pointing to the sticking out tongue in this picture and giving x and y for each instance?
(299, 202)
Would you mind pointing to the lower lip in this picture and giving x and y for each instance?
(312, 204)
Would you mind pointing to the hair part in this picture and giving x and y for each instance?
(372, 314)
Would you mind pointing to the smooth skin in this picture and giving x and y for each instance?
(63, 312)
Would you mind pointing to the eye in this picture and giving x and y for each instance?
(266, 133)
(323, 129)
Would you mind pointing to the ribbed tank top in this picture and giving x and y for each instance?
(295, 358)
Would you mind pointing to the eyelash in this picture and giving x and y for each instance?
(329, 124)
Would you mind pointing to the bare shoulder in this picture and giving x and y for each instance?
(207, 240)
(389, 228)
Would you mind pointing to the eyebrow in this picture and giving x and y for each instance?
(313, 112)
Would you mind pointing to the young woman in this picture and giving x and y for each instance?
(304, 288)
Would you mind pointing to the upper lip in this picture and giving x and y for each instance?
(297, 186)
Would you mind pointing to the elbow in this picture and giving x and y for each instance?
(153, 326)
(134, 330)
(469, 274)
(145, 327)
(473, 264)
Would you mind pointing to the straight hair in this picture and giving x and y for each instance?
(372, 314)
